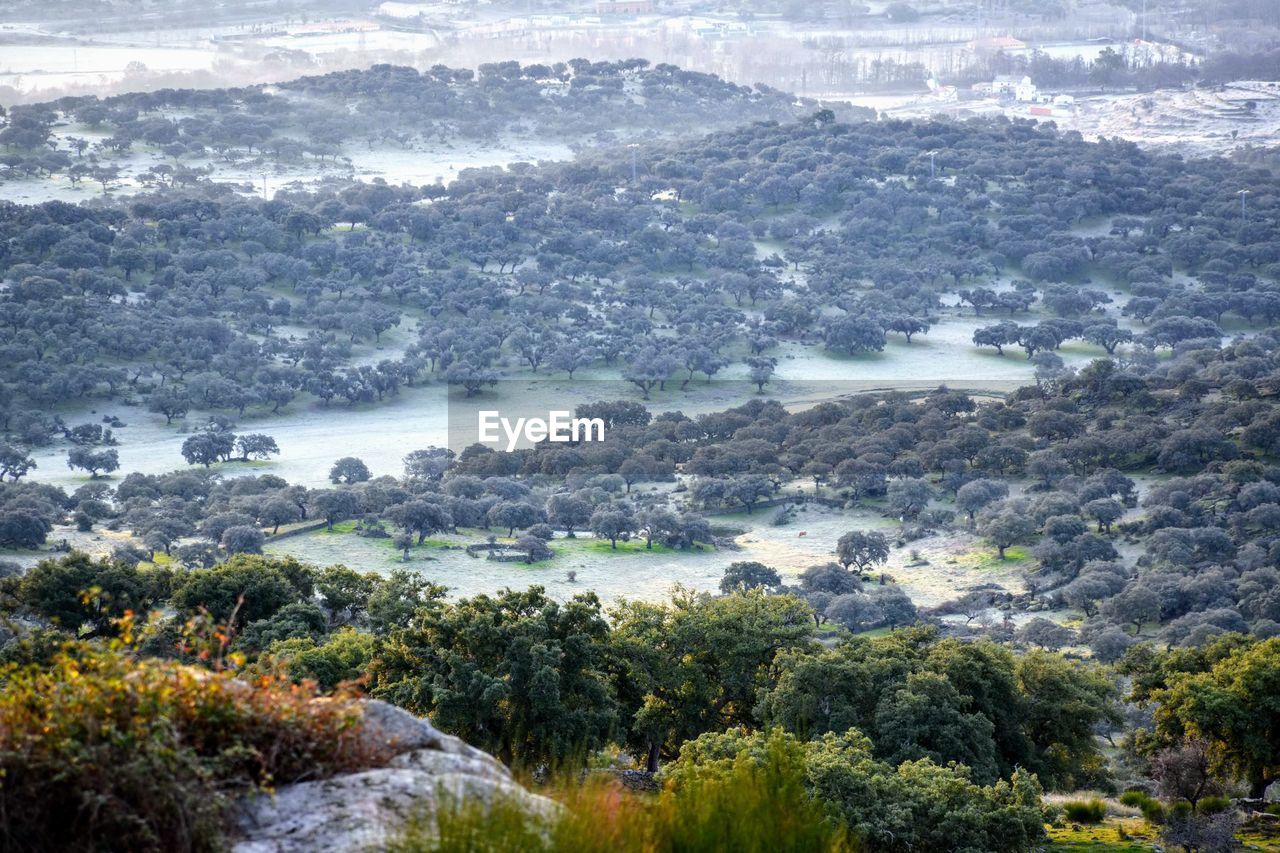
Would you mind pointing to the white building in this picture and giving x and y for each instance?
(1004, 84)
(1024, 90)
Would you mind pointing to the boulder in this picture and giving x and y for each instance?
(364, 811)
(395, 729)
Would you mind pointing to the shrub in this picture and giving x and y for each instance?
(1153, 811)
(1134, 799)
(342, 657)
(1085, 811)
(461, 825)
(1150, 807)
(1202, 832)
(99, 750)
(917, 805)
(1213, 805)
(759, 801)
(758, 804)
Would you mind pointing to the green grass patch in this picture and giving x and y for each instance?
(339, 527)
(431, 542)
(388, 543)
(601, 546)
(1253, 840)
(158, 560)
(984, 559)
(1112, 836)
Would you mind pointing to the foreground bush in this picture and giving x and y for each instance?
(919, 805)
(757, 804)
(101, 751)
(763, 793)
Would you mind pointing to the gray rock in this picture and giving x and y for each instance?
(396, 730)
(365, 811)
(457, 746)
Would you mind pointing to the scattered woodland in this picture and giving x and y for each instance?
(200, 299)
(1142, 489)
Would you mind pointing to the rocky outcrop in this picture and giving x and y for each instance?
(363, 811)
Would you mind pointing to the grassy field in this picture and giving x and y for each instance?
(1131, 835)
(1114, 835)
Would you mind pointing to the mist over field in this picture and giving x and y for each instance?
(929, 354)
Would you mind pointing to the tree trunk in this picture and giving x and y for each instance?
(1258, 786)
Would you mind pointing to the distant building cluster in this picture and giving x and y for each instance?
(394, 9)
(994, 43)
(624, 7)
(1024, 91)
(708, 29)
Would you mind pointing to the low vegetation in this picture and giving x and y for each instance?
(103, 750)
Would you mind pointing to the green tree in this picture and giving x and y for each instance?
(862, 549)
(349, 470)
(516, 674)
(299, 620)
(975, 703)
(697, 663)
(396, 597)
(748, 575)
(82, 595)
(94, 461)
(420, 517)
(569, 512)
(612, 522)
(342, 657)
(256, 446)
(917, 806)
(513, 514)
(242, 539)
(344, 592)
(170, 402)
(1226, 694)
(207, 447)
(925, 718)
(278, 511)
(14, 462)
(1006, 528)
(22, 527)
(1066, 701)
(985, 673)
(333, 505)
(252, 586)
(908, 498)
